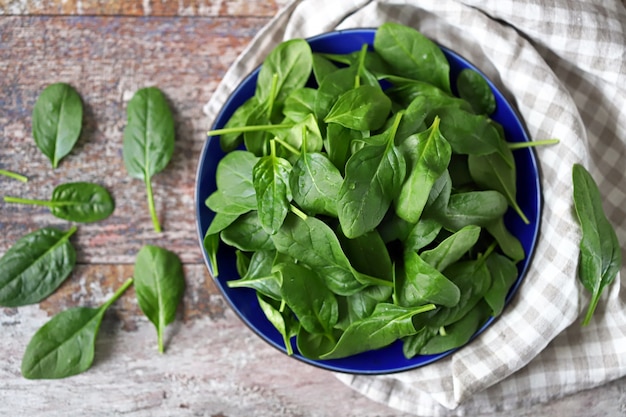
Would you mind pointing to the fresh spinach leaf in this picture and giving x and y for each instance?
(57, 121)
(431, 160)
(503, 275)
(281, 318)
(473, 88)
(247, 234)
(260, 275)
(314, 183)
(387, 324)
(81, 202)
(452, 248)
(65, 345)
(373, 179)
(600, 253)
(148, 140)
(361, 108)
(478, 208)
(270, 177)
(410, 54)
(159, 285)
(35, 266)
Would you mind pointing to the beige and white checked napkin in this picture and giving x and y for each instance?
(562, 63)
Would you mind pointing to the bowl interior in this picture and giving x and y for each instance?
(244, 301)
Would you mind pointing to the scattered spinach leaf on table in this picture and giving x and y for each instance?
(65, 345)
(159, 285)
(57, 121)
(148, 140)
(35, 266)
(81, 202)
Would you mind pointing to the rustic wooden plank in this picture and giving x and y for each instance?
(229, 8)
(107, 59)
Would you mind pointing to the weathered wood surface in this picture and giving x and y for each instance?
(214, 365)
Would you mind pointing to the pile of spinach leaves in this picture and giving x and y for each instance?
(360, 214)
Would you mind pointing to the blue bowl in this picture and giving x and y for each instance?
(244, 302)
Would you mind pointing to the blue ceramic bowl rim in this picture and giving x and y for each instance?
(337, 365)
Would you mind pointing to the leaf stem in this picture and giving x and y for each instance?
(244, 129)
(591, 309)
(287, 146)
(153, 214)
(522, 145)
(295, 210)
(18, 200)
(117, 294)
(13, 175)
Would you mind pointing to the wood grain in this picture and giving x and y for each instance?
(237, 8)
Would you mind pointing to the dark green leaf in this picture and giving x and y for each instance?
(387, 324)
(148, 139)
(231, 141)
(509, 244)
(281, 320)
(452, 248)
(412, 55)
(259, 276)
(159, 285)
(247, 234)
(361, 108)
(418, 283)
(315, 183)
(600, 253)
(300, 103)
(478, 208)
(35, 266)
(473, 88)
(503, 275)
(57, 121)
(65, 345)
(431, 160)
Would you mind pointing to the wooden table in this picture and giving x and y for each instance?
(213, 365)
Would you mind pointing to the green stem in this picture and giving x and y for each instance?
(591, 309)
(244, 129)
(361, 65)
(522, 145)
(70, 232)
(287, 146)
(18, 200)
(153, 214)
(117, 294)
(160, 332)
(295, 210)
(13, 175)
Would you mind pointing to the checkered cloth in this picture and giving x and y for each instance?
(562, 63)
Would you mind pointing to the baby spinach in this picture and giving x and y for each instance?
(35, 266)
(57, 121)
(81, 202)
(600, 252)
(159, 285)
(373, 179)
(273, 193)
(65, 345)
(473, 88)
(365, 202)
(148, 140)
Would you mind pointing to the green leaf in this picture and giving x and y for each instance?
(292, 62)
(418, 283)
(281, 320)
(300, 104)
(159, 285)
(231, 141)
(57, 121)
(247, 234)
(234, 180)
(314, 244)
(503, 275)
(509, 244)
(65, 345)
(452, 248)
(478, 208)
(493, 172)
(387, 324)
(307, 296)
(35, 266)
(600, 253)
(374, 175)
(361, 108)
(431, 160)
(315, 183)
(410, 54)
(260, 276)
(473, 88)
(81, 202)
(148, 140)
(273, 193)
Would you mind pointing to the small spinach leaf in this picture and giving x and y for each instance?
(473, 88)
(148, 140)
(159, 285)
(57, 121)
(35, 266)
